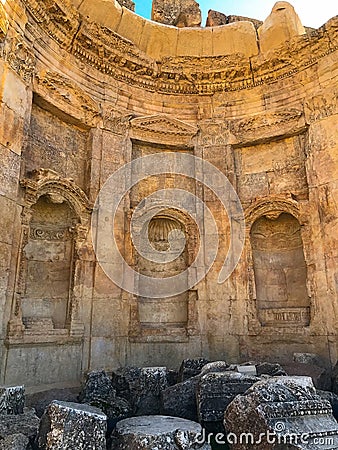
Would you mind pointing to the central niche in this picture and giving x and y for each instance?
(166, 235)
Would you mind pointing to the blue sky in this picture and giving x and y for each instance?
(313, 13)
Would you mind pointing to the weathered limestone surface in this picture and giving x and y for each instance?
(180, 13)
(127, 4)
(87, 87)
(216, 18)
(282, 25)
(65, 426)
(165, 432)
(286, 407)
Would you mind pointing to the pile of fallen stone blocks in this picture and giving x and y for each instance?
(203, 404)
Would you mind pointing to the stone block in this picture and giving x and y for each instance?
(216, 391)
(105, 12)
(180, 13)
(69, 426)
(158, 432)
(180, 400)
(319, 375)
(159, 40)
(215, 366)
(98, 391)
(15, 442)
(281, 25)
(40, 400)
(142, 387)
(279, 413)
(239, 37)
(191, 367)
(131, 26)
(26, 424)
(12, 399)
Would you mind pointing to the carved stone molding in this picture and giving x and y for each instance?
(321, 106)
(49, 182)
(67, 96)
(115, 121)
(20, 58)
(271, 207)
(163, 129)
(265, 127)
(111, 54)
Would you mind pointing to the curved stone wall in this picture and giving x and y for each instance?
(86, 87)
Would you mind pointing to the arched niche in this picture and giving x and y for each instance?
(52, 252)
(280, 272)
(172, 318)
(49, 260)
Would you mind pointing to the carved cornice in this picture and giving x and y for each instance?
(271, 207)
(262, 127)
(162, 129)
(113, 55)
(67, 96)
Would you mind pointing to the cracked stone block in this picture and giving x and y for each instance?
(69, 426)
(97, 388)
(12, 399)
(216, 391)
(282, 413)
(158, 432)
(142, 387)
(190, 368)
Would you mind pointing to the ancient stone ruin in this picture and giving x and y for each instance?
(168, 193)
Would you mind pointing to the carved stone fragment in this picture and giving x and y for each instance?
(281, 412)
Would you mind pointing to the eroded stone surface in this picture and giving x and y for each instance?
(181, 13)
(180, 400)
(15, 442)
(66, 426)
(162, 432)
(284, 406)
(26, 424)
(142, 387)
(12, 399)
(191, 367)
